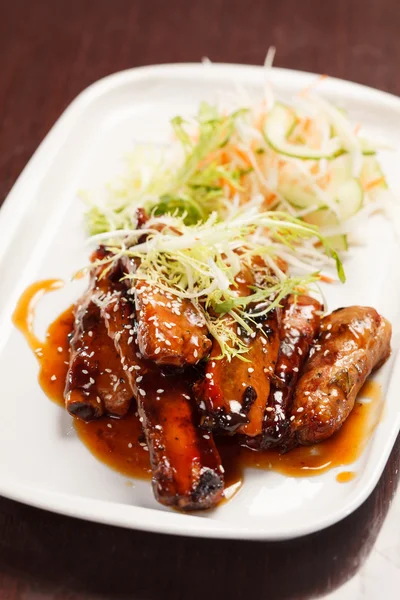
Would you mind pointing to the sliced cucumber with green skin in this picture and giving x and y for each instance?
(299, 196)
(325, 218)
(371, 171)
(349, 197)
(346, 190)
(278, 125)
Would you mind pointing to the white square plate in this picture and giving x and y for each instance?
(42, 462)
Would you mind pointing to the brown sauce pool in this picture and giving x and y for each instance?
(119, 443)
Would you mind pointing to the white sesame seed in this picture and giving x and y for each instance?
(109, 425)
(98, 400)
(300, 409)
(53, 377)
(157, 350)
(208, 376)
(250, 370)
(160, 391)
(92, 381)
(142, 392)
(139, 379)
(130, 445)
(90, 333)
(206, 437)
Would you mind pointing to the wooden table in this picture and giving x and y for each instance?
(52, 50)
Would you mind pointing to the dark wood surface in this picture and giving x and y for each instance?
(50, 50)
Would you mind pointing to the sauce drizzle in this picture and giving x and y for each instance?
(120, 444)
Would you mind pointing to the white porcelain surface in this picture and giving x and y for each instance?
(42, 462)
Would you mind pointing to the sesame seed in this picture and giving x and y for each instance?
(91, 380)
(98, 400)
(142, 392)
(206, 437)
(130, 445)
(85, 372)
(250, 370)
(53, 377)
(195, 353)
(160, 391)
(59, 349)
(157, 351)
(186, 396)
(109, 425)
(139, 379)
(208, 376)
(90, 333)
(300, 409)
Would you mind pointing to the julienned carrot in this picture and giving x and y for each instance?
(325, 278)
(374, 183)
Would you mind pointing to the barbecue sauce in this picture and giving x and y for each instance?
(120, 443)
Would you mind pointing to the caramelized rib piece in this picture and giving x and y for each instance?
(353, 341)
(233, 395)
(171, 330)
(187, 471)
(95, 382)
(299, 324)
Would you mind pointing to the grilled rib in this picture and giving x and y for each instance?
(352, 342)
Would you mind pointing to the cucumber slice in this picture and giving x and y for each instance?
(325, 218)
(371, 171)
(350, 198)
(278, 125)
(299, 195)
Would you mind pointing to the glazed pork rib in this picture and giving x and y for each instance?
(95, 383)
(353, 341)
(233, 394)
(299, 325)
(171, 331)
(187, 470)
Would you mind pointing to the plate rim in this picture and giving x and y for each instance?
(131, 516)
